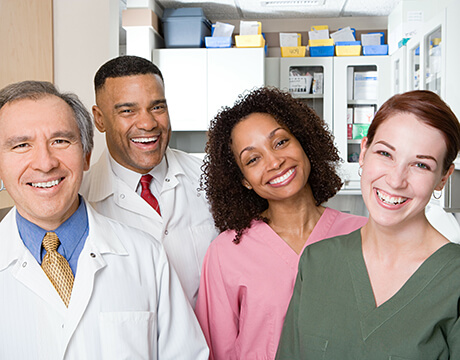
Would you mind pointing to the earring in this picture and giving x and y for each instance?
(360, 171)
(437, 197)
(249, 187)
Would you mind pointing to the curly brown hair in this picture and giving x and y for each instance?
(233, 206)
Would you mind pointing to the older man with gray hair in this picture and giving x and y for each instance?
(74, 284)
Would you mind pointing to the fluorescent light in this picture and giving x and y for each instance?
(292, 2)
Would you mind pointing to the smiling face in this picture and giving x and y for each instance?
(132, 111)
(271, 159)
(401, 169)
(41, 159)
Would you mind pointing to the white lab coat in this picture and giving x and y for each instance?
(125, 304)
(186, 227)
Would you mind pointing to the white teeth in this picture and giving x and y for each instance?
(390, 199)
(282, 178)
(47, 184)
(144, 140)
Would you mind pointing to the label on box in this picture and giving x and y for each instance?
(360, 131)
(363, 114)
(317, 87)
(366, 85)
(349, 131)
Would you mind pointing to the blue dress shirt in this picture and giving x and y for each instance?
(72, 235)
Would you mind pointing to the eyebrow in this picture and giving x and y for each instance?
(429, 157)
(270, 136)
(133, 104)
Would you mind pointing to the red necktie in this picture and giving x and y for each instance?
(147, 195)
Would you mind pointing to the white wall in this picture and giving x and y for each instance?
(85, 36)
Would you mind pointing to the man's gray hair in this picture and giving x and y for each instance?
(35, 90)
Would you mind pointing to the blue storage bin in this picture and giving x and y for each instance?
(347, 43)
(218, 41)
(319, 51)
(185, 28)
(375, 50)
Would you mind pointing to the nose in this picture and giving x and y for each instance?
(274, 160)
(397, 177)
(146, 121)
(44, 159)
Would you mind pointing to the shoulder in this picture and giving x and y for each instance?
(254, 234)
(342, 219)
(108, 231)
(332, 248)
(190, 164)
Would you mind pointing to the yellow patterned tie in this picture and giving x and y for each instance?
(57, 268)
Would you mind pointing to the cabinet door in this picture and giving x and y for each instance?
(361, 85)
(185, 76)
(398, 70)
(310, 79)
(414, 64)
(231, 72)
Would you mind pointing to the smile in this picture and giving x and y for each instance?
(46, 185)
(391, 200)
(281, 178)
(145, 140)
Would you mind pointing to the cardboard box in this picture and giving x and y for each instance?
(363, 114)
(360, 131)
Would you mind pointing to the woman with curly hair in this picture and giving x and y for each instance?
(270, 164)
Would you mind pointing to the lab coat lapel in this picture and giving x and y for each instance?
(101, 240)
(23, 265)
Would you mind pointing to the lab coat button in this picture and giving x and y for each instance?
(198, 194)
(93, 255)
(167, 180)
(166, 232)
(122, 196)
(24, 264)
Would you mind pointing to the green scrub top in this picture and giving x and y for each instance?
(332, 313)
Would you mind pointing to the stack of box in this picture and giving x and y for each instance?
(250, 35)
(221, 36)
(291, 45)
(345, 42)
(319, 42)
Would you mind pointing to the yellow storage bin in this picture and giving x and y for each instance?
(243, 41)
(321, 42)
(348, 50)
(293, 51)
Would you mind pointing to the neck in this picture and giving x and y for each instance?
(295, 217)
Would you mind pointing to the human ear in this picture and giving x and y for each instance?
(445, 177)
(246, 184)
(363, 151)
(98, 118)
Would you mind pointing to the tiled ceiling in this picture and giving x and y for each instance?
(255, 9)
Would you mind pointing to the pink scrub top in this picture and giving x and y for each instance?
(245, 288)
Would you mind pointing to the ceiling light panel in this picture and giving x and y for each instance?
(292, 2)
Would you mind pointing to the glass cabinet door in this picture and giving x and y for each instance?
(309, 79)
(433, 44)
(361, 85)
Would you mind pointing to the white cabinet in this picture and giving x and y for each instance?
(185, 76)
(361, 85)
(310, 79)
(198, 82)
(232, 72)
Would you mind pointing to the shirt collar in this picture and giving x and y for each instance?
(132, 178)
(69, 232)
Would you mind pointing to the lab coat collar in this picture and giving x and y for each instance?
(100, 190)
(101, 238)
